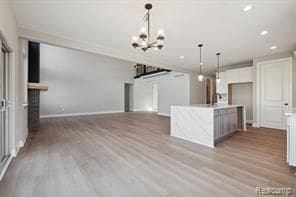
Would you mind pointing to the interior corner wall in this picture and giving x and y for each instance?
(9, 31)
(81, 82)
(173, 89)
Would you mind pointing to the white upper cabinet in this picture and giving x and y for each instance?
(246, 74)
(240, 75)
(233, 76)
(222, 86)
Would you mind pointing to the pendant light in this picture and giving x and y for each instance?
(218, 79)
(200, 75)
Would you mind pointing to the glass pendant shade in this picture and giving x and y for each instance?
(218, 80)
(200, 77)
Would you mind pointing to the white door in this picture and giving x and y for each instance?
(276, 92)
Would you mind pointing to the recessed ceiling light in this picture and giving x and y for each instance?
(273, 47)
(247, 8)
(181, 57)
(264, 32)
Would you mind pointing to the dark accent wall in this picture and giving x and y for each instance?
(34, 62)
(34, 110)
(34, 77)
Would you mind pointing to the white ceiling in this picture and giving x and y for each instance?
(220, 25)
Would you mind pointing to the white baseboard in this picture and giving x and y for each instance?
(20, 144)
(137, 110)
(163, 114)
(255, 124)
(13, 152)
(23, 141)
(5, 167)
(80, 114)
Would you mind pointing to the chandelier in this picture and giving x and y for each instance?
(144, 41)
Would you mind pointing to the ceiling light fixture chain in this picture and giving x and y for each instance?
(143, 41)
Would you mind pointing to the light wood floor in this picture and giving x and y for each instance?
(132, 154)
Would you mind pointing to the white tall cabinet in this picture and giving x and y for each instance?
(291, 138)
(233, 76)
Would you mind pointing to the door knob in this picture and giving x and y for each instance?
(286, 104)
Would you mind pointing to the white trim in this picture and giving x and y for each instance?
(23, 141)
(80, 114)
(163, 114)
(5, 167)
(258, 86)
(249, 121)
(255, 124)
(138, 110)
(13, 152)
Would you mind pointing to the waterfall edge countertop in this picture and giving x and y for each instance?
(292, 113)
(215, 106)
(207, 124)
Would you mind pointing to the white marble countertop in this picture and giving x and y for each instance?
(291, 113)
(215, 106)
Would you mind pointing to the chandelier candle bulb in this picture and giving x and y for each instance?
(135, 39)
(143, 30)
(144, 44)
(161, 32)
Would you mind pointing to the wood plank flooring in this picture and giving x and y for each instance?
(132, 154)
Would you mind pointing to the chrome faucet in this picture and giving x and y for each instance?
(214, 97)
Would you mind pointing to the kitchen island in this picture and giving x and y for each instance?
(207, 124)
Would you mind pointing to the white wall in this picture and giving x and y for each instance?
(81, 82)
(242, 93)
(143, 94)
(174, 88)
(8, 30)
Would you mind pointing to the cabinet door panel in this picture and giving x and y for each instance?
(221, 127)
(228, 128)
(233, 76)
(233, 122)
(246, 74)
(216, 128)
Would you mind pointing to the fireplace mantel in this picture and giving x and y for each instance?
(37, 86)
